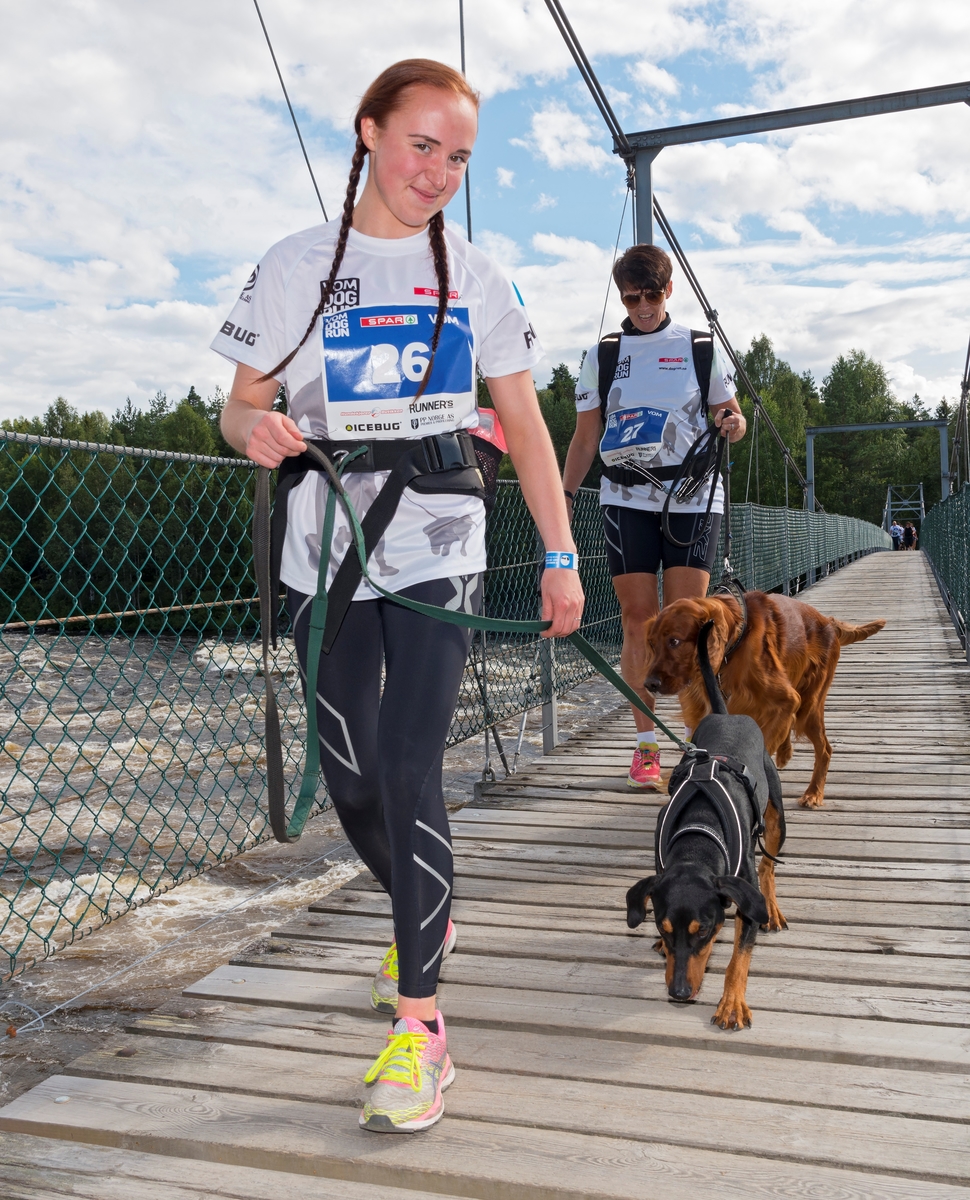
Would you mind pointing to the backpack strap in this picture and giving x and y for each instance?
(608, 355)
(702, 351)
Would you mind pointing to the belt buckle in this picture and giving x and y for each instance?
(444, 452)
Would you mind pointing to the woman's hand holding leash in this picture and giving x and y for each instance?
(273, 438)
(562, 601)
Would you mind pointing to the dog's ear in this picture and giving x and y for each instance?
(636, 901)
(750, 902)
(720, 635)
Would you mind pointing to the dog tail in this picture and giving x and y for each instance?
(714, 696)
(847, 634)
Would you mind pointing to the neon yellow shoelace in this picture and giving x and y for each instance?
(389, 966)
(400, 1062)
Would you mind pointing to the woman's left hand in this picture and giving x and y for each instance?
(562, 601)
(731, 424)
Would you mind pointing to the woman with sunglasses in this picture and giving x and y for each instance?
(655, 369)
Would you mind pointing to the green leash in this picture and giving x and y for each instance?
(318, 619)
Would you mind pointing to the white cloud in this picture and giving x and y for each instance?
(654, 78)
(544, 202)
(562, 138)
(505, 177)
(499, 246)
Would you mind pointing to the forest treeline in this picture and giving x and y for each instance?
(852, 471)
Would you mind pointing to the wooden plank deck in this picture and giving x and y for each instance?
(576, 1078)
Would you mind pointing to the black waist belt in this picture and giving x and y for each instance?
(439, 463)
(627, 478)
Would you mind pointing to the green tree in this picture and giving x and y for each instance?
(757, 462)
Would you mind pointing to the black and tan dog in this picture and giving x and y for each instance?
(722, 799)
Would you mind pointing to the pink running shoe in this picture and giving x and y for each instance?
(408, 1079)
(645, 770)
(383, 992)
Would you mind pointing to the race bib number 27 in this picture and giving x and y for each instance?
(374, 360)
(632, 435)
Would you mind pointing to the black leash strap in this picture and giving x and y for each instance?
(268, 610)
(694, 470)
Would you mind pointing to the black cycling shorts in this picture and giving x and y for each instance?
(635, 543)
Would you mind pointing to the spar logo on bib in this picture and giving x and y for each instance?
(672, 364)
(383, 354)
(390, 319)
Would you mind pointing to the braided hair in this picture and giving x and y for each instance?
(382, 97)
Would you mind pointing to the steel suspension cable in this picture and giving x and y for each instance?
(468, 186)
(628, 154)
(619, 231)
(286, 97)
(575, 48)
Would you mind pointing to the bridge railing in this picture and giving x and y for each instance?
(132, 740)
(945, 537)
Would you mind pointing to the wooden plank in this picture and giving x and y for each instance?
(881, 939)
(478, 1158)
(635, 948)
(798, 881)
(562, 1054)
(35, 1168)
(822, 997)
(827, 1039)
(556, 893)
(477, 822)
(640, 861)
(931, 1149)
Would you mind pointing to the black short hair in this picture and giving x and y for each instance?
(644, 266)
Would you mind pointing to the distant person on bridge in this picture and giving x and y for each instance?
(896, 533)
(376, 323)
(677, 373)
(909, 536)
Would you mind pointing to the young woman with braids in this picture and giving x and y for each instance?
(375, 325)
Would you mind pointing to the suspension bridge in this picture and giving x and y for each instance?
(132, 759)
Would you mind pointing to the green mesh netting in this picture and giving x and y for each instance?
(132, 753)
(945, 537)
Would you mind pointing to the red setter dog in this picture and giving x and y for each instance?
(779, 673)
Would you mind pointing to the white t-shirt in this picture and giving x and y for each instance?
(357, 374)
(657, 369)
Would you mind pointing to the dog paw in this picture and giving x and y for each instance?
(659, 947)
(732, 1013)
(812, 800)
(776, 920)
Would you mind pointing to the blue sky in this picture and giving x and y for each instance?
(149, 161)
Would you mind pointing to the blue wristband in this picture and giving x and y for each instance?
(561, 558)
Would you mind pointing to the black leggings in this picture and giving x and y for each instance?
(381, 753)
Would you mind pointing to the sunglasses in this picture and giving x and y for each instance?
(632, 299)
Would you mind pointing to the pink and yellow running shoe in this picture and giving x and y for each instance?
(383, 991)
(408, 1078)
(645, 770)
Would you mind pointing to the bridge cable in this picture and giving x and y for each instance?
(468, 186)
(626, 151)
(961, 441)
(609, 278)
(286, 97)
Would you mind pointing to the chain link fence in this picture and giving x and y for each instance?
(132, 753)
(945, 537)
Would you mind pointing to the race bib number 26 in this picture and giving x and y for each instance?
(374, 360)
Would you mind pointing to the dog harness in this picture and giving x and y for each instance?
(701, 773)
